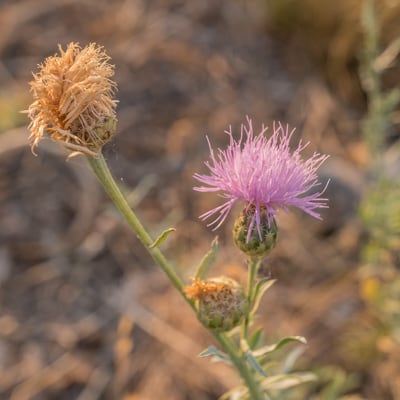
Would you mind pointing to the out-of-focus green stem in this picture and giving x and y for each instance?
(375, 124)
(238, 360)
(103, 173)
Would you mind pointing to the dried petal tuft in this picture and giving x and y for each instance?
(73, 99)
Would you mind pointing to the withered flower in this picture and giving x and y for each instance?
(73, 100)
(220, 302)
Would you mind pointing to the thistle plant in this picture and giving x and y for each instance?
(74, 105)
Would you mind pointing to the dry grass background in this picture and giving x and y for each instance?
(84, 314)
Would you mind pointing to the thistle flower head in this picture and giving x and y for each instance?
(264, 174)
(246, 236)
(220, 302)
(73, 99)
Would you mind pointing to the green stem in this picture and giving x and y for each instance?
(253, 267)
(238, 360)
(103, 173)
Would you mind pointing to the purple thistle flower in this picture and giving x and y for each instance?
(264, 174)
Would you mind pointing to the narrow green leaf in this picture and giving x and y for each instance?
(261, 287)
(160, 239)
(207, 261)
(276, 346)
(216, 354)
(285, 381)
(256, 338)
(254, 363)
(271, 365)
(209, 351)
(291, 359)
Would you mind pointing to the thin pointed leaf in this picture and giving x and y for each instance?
(256, 338)
(210, 351)
(207, 261)
(160, 239)
(276, 346)
(261, 287)
(254, 363)
(285, 381)
(272, 365)
(216, 355)
(291, 359)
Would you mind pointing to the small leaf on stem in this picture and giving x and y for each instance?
(207, 261)
(261, 287)
(161, 238)
(216, 354)
(254, 363)
(273, 347)
(291, 358)
(256, 338)
(285, 381)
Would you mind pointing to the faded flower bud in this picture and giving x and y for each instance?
(221, 303)
(255, 235)
(73, 100)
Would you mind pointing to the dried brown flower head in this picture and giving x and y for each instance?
(220, 302)
(73, 99)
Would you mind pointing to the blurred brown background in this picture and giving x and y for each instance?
(84, 313)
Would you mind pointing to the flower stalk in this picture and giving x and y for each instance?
(101, 170)
(253, 267)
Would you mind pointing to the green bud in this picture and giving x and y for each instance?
(252, 244)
